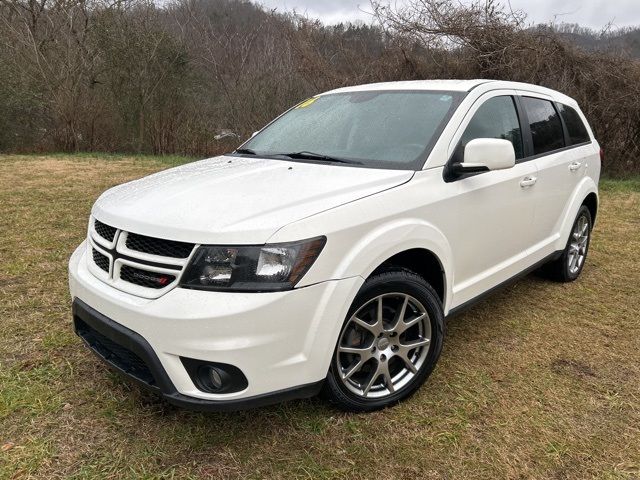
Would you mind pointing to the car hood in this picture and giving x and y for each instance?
(236, 199)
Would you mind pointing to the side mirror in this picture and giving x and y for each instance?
(484, 154)
(254, 133)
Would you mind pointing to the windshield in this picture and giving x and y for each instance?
(379, 129)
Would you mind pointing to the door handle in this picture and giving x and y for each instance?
(574, 166)
(528, 181)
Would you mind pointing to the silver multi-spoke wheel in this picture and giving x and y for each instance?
(578, 244)
(383, 345)
(567, 267)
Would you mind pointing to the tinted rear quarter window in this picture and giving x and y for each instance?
(545, 124)
(575, 127)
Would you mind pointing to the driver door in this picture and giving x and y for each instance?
(492, 212)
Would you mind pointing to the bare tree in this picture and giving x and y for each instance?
(196, 76)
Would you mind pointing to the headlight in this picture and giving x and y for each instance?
(278, 266)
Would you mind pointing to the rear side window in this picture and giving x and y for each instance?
(575, 127)
(545, 124)
(496, 118)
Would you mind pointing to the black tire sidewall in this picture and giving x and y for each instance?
(388, 282)
(565, 255)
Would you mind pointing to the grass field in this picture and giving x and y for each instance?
(541, 380)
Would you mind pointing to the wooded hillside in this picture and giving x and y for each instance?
(195, 76)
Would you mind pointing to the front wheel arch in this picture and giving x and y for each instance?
(420, 261)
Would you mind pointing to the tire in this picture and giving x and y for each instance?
(568, 266)
(402, 355)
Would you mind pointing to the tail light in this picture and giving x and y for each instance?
(602, 155)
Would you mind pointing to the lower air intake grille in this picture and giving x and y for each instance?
(105, 231)
(100, 260)
(115, 354)
(145, 278)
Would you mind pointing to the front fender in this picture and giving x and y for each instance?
(391, 238)
(358, 250)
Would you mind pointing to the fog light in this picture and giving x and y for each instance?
(215, 378)
(210, 378)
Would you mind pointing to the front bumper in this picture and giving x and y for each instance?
(281, 341)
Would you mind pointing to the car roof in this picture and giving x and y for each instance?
(449, 85)
(456, 86)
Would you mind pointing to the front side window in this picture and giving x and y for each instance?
(575, 126)
(545, 124)
(496, 118)
(379, 129)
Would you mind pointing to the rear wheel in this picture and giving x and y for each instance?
(569, 265)
(389, 343)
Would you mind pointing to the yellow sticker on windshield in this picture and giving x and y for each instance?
(307, 102)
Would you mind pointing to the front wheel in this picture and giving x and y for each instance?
(389, 343)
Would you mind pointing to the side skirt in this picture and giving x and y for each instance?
(470, 303)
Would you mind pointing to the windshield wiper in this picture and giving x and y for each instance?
(247, 151)
(305, 155)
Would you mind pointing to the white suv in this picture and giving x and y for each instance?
(325, 253)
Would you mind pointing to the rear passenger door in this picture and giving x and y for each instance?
(559, 160)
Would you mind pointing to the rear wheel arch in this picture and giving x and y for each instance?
(585, 193)
(591, 202)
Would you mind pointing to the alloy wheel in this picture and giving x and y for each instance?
(383, 345)
(578, 245)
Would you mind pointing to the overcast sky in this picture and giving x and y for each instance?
(589, 13)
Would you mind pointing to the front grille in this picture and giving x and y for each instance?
(145, 278)
(115, 354)
(157, 246)
(105, 231)
(127, 258)
(100, 260)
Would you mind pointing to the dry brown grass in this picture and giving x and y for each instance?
(541, 380)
